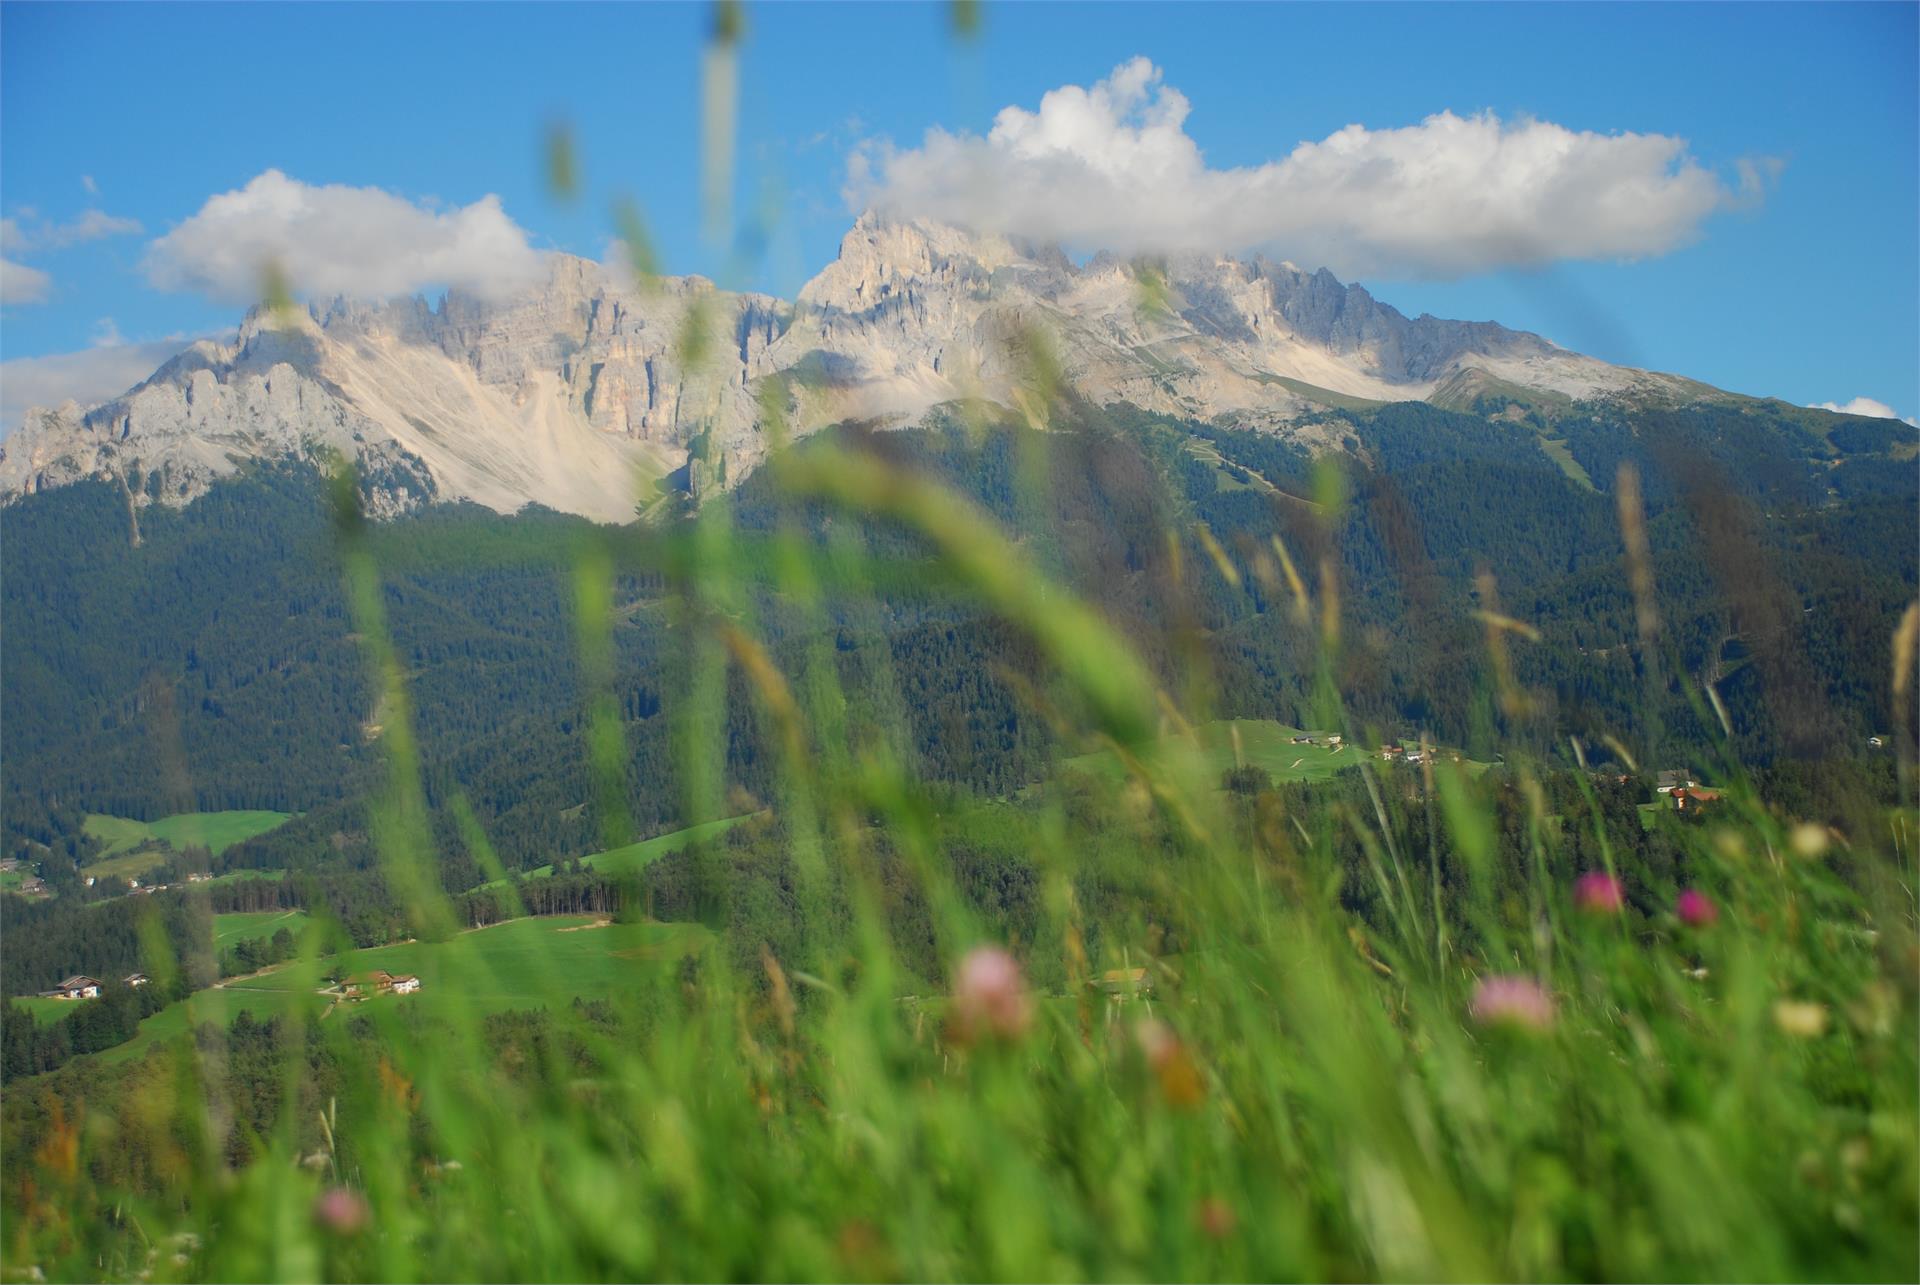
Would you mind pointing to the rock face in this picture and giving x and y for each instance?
(917, 314)
(582, 394)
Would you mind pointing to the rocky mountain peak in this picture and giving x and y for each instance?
(585, 390)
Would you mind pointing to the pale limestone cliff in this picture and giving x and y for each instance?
(584, 393)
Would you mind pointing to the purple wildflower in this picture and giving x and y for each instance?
(989, 997)
(1695, 908)
(1512, 1001)
(341, 1210)
(1599, 892)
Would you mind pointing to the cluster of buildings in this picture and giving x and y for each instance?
(1392, 752)
(1416, 754)
(378, 982)
(80, 986)
(30, 884)
(1686, 793)
(148, 889)
(1326, 741)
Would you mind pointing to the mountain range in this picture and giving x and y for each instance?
(589, 392)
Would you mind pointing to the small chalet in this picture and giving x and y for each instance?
(78, 986)
(361, 985)
(405, 984)
(1672, 779)
(136, 979)
(1691, 799)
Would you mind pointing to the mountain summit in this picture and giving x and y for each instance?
(581, 393)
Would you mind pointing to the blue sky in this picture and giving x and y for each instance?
(1807, 291)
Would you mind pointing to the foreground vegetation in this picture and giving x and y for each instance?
(1404, 1022)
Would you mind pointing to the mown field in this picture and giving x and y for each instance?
(1213, 749)
(217, 1006)
(637, 856)
(237, 876)
(230, 930)
(214, 831)
(523, 963)
(46, 1011)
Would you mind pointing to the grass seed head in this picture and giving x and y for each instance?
(1802, 1019)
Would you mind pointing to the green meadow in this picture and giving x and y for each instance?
(135, 847)
(45, 1011)
(523, 963)
(232, 929)
(1216, 748)
(214, 831)
(517, 964)
(128, 865)
(637, 856)
(217, 1006)
(239, 876)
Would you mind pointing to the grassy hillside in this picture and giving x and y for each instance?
(46, 1011)
(214, 831)
(231, 929)
(637, 856)
(218, 1007)
(524, 963)
(1214, 748)
(237, 876)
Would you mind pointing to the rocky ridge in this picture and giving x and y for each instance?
(584, 393)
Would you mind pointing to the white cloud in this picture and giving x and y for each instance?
(334, 239)
(90, 377)
(93, 188)
(21, 284)
(1860, 406)
(1113, 167)
(89, 225)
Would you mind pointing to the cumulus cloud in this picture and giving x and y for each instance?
(1113, 167)
(96, 375)
(1860, 406)
(21, 284)
(334, 239)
